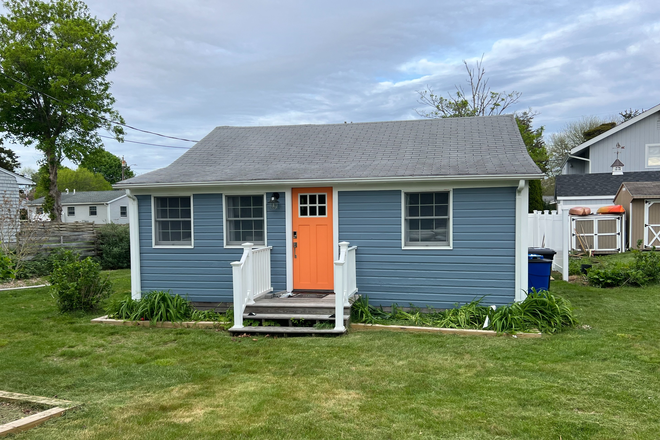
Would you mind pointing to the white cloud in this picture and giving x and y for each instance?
(185, 68)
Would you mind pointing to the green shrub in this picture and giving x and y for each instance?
(644, 270)
(114, 246)
(540, 310)
(612, 275)
(158, 306)
(6, 267)
(40, 265)
(78, 284)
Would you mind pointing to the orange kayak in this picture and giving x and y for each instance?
(612, 209)
(579, 210)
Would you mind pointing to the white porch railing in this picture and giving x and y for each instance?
(251, 279)
(345, 282)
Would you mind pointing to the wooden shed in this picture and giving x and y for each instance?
(642, 203)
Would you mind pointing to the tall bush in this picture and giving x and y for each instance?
(78, 284)
(114, 246)
(6, 267)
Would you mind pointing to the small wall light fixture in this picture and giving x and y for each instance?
(274, 201)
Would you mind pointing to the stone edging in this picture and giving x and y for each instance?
(165, 324)
(60, 407)
(450, 331)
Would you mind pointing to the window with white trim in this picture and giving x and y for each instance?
(71, 211)
(245, 219)
(653, 156)
(123, 211)
(426, 219)
(173, 221)
(92, 211)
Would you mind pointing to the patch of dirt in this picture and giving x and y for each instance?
(12, 411)
(578, 279)
(23, 283)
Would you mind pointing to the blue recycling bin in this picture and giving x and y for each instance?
(538, 272)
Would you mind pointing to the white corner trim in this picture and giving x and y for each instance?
(288, 216)
(521, 274)
(450, 223)
(153, 224)
(134, 234)
(335, 225)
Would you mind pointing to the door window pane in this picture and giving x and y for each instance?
(312, 205)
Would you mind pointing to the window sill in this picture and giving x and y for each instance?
(240, 246)
(172, 246)
(446, 247)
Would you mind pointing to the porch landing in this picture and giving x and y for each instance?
(295, 314)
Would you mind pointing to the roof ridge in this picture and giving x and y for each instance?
(367, 122)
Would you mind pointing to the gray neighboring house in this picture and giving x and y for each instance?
(437, 209)
(88, 206)
(10, 186)
(592, 175)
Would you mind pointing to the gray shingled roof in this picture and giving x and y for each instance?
(419, 148)
(85, 197)
(599, 184)
(643, 190)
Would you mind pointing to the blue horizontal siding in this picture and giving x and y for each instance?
(481, 263)
(203, 273)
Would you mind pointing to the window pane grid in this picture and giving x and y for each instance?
(245, 219)
(173, 220)
(92, 210)
(427, 218)
(312, 205)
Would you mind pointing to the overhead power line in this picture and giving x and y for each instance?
(146, 143)
(100, 117)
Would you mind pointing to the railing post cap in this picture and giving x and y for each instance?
(344, 244)
(247, 245)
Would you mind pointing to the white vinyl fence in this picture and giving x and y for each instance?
(550, 229)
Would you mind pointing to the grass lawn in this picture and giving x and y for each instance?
(148, 383)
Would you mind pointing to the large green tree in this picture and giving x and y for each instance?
(108, 165)
(54, 92)
(80, 179)
(533, 139)
(8, 159)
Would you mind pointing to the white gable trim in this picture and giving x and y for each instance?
(616, 129)
(19, 179)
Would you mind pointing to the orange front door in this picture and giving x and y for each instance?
(312, 239)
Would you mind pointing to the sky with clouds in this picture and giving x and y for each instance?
(186, 67)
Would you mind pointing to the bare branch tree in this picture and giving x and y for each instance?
(480, 101)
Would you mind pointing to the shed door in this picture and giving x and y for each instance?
(312, 239)
(652, 223)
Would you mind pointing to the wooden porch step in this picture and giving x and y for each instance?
(286, 330)
(310, 317)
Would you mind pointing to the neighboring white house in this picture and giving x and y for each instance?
(88, 206)
(593, 171)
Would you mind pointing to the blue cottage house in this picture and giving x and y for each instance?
(425, 212)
